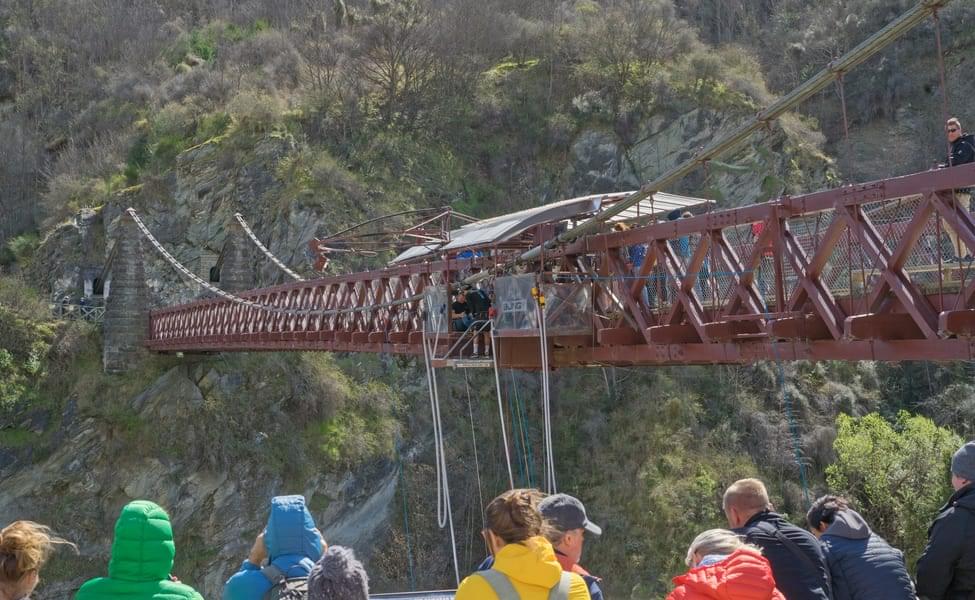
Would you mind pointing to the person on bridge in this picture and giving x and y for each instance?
(862, 564)
(962, 152)
(797, 558)
(290, 544)
(725, 568)
(338, 574)
(525, 564)
(567, 517)
(25, 547)
(142, 559)
(946, 569)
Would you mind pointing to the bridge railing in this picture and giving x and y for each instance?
(874, 261)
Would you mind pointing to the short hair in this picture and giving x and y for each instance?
(715, 541)
(686, 214)
(954, 121)
(746, 494)
(621, 226)
(824, 510)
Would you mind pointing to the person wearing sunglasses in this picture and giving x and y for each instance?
(962, 152)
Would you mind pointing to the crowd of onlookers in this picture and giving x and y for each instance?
(535, 544)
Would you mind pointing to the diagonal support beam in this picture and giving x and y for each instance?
(811, 287)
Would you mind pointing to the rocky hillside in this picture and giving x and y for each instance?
(277, 110)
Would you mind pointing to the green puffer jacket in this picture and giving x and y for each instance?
(142, 559)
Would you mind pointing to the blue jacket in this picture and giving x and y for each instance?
(798, 576)
(862, 564)
(293, 545)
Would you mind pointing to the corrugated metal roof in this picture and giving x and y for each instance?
(506, 227)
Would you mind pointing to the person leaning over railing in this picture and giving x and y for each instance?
(24, 548)
(725, 568)
(862, 565)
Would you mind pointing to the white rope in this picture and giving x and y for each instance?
(550, 484)
(263, 248)
(243, 301)
(497, 384)
(444, 512)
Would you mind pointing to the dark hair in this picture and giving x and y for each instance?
(824, 510)
(513, 516)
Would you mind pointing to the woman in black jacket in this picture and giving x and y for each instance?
(863, 566)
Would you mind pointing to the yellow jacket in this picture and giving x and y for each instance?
(533, 570)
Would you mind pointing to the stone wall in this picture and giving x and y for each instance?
(126, 308)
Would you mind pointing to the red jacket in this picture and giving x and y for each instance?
(744, 575)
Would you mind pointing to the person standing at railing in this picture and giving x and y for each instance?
(962, 152)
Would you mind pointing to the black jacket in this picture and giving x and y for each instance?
(798, 576)
(962, 151)
(862, 565)
(946, 570)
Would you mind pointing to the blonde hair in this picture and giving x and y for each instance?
(621, 227)
(747, 495)
(716, 541)
(24, 547)
(954, 121)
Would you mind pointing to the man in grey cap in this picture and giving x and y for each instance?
(946, 570)
(569, 522)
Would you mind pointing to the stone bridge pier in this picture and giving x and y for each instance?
(126, 307)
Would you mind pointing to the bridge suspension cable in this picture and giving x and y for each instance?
(263, 248)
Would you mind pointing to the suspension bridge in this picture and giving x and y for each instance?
(871, 271)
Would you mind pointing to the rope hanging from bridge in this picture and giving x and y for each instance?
(263, 248)
(549, 472)
(477, 464)
(444, 511)
(497, 385)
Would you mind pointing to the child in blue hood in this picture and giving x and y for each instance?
(290, 542)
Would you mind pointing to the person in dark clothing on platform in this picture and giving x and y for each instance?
(797, 559)
(862, 565)
(962, 152)
(946, 569)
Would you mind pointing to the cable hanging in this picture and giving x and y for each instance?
(263, 248)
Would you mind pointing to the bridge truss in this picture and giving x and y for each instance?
(868, 271)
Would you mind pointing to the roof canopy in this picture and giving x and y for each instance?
(504, 228)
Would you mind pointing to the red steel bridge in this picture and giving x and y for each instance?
(868, 271)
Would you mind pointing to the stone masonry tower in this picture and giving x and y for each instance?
(127, 307)
(237, 267)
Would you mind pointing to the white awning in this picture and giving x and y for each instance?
(502, 228)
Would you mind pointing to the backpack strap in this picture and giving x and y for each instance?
(561, 589)
(500, 583)
(273, 574)
(796, 551)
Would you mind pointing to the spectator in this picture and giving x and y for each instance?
(796, 557)
(962, 152)
(725, 568)
(338, 575)
(290, 543)
(567, 517)
(142, 559)
(460, 312)
(862, 564)
(525, 566)
(633, 257)
(946, 569)
(24, 548)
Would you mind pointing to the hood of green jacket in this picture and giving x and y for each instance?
(143, 549)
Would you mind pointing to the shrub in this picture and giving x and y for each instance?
(896, 474)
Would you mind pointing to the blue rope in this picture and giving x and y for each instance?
(787, 402)
(406, 522)
(523, 424)
(519, 450)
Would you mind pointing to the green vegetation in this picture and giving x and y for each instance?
(897, 473)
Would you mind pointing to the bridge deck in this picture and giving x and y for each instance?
(860, 272)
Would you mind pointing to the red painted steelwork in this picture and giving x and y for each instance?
(861, 272)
